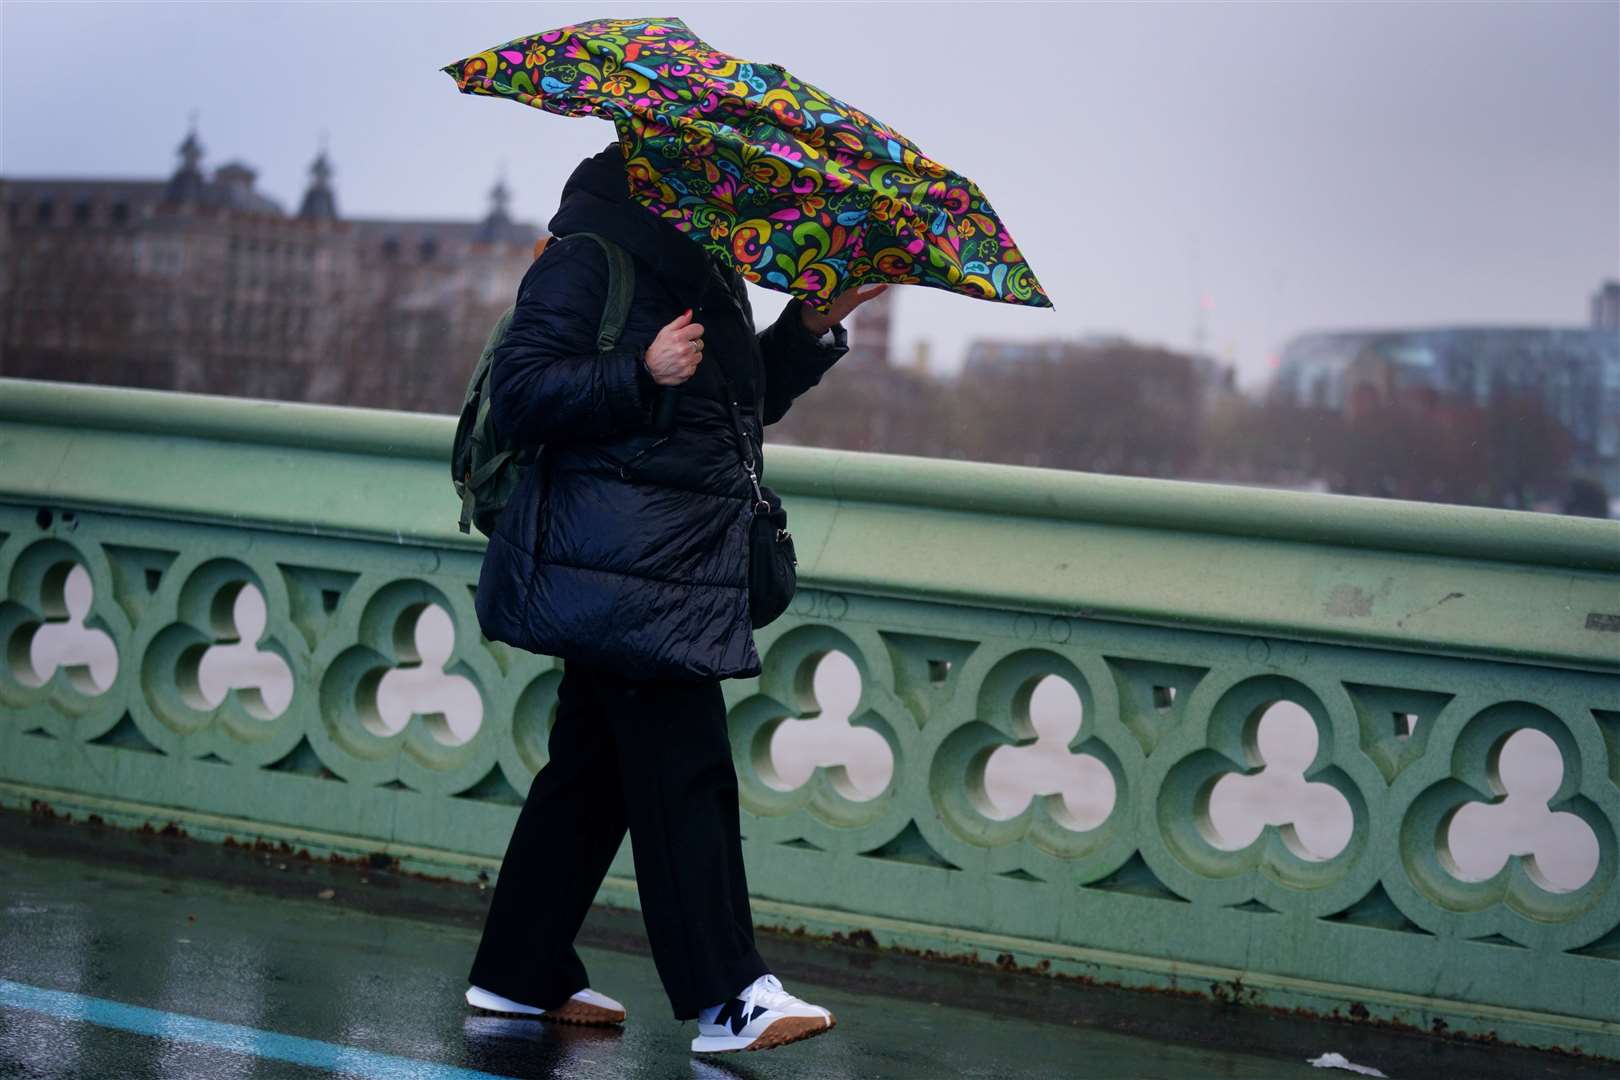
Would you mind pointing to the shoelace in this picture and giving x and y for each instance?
(767, 991)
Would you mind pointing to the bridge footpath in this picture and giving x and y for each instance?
(156, 970)
(1416, 639)
(131, 956)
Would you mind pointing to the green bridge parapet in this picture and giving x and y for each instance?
(1418, 638)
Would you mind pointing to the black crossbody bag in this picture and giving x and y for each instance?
(772, 563)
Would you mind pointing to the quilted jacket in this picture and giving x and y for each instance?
(626, 547)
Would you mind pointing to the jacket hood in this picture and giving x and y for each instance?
(597, 199)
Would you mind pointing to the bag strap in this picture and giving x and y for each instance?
(469, 493)
(736, 290)
(615, 313)
(761, 504)
(621, 290)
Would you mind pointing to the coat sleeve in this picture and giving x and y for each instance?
(795, 360)
(547, 381)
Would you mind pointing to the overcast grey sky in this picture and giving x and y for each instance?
(1303, 165)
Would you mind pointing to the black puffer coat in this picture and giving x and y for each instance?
(620, 550)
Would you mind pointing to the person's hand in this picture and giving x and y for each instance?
(674, 354)
(847, 301)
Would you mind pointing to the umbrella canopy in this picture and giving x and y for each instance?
(798, 190)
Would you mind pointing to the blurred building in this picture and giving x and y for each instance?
(201, 282)
(922, 357)
(991, 355)
(1574, 372)
(1606, 306)
(869, 333)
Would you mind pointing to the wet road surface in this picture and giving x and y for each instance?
(109, 972)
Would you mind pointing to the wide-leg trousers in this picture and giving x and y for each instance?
(653, 757)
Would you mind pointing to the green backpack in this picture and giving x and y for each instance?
(486, 468)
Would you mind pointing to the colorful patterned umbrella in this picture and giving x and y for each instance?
(801, 192)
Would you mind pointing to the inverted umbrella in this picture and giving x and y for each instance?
(798, 190)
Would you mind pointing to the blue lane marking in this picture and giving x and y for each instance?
(232, 1037)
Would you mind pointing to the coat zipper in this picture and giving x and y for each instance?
(624, 469)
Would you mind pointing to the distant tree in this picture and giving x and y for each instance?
(1587, 497)
(872, 408)
(1509, 453)
(1271, 442)
(1123, 409)
(1527, 451)
(1414, 449)
(1120, 408)
(1140, 411)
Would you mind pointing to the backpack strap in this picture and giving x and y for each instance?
(474, 435)
(472, 424)
(621, 289)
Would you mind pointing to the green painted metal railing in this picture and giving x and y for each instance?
(1416, 637)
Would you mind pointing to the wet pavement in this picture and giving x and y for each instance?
(107, 972)
(127, 956)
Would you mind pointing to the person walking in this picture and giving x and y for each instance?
(624, 553)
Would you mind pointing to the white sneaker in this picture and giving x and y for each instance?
(762, 1017)
(586, 1007)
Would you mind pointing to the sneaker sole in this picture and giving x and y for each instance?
(579, 1013)
(789, 1029)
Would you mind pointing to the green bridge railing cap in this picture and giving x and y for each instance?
(972, 487)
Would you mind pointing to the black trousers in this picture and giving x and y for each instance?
(653, 757)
